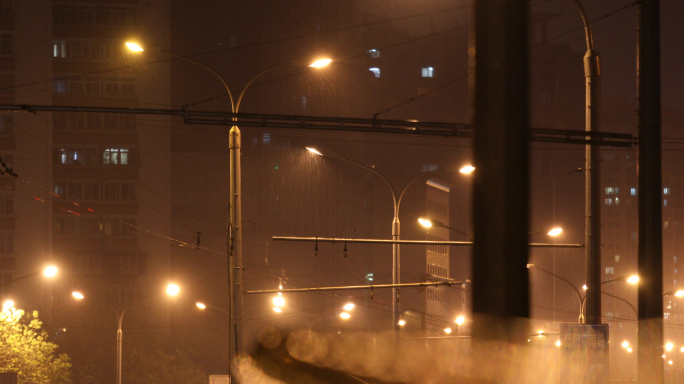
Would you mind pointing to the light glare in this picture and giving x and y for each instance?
(467, 169)
(345, 315)
(447, 330)
(77, 295)
(172, 290)
(633, 279)
(348, 306)
(134, 46)
(50, 271)
(425, 222)
(679, 293)
(460, 320)
(7, 305)
(320, 63)
(402, 322)
(314, 150)
(279, 301)
(555, 231)
(200, 305)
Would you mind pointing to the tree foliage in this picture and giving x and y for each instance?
(25, 349)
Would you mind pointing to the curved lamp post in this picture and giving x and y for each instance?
(171, 290)
(563, 279)
(631, 279)
(235, 198)
(592, 176)
(397, 197)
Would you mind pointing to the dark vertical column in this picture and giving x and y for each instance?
(500, 280)
(650, 332)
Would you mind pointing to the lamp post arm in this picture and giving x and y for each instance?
(636, 313)
(251, 81)
(587, 26)
(210, 69)
(394, 193)
(579, 295)
(403, 191)
(19, 278)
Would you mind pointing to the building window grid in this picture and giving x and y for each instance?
(116, 86)
(96, 191)
(434, 294)
(93, 121)
(437, 270)
(87, 49)
(441, 249)
(106, 157)
(89, 226)
(93, 15)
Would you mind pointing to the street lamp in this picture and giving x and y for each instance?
(234, 235)
(171, 290)
(396, 198)
(631, 279)
(49, 272)
(429, 223)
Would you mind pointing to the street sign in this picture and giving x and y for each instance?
(584, 356)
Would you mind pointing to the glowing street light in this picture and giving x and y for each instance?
(7, 305)
(467, 169)
(345, 315)
(348, 306)
(172, 289)
(460, 320)
(320, 63)
(49, 272)
(555, 231)
(279, 301)
(235, 193)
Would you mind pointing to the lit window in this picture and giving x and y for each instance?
(665, 202)
(610, 270)
(375, 70)
(666, 191)
(115, 156)
(373, 53)
(633, 191)
(428, 72)
(610, 190)
(266, 138)
(617, 258)
(59, 49)
(609, 201)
